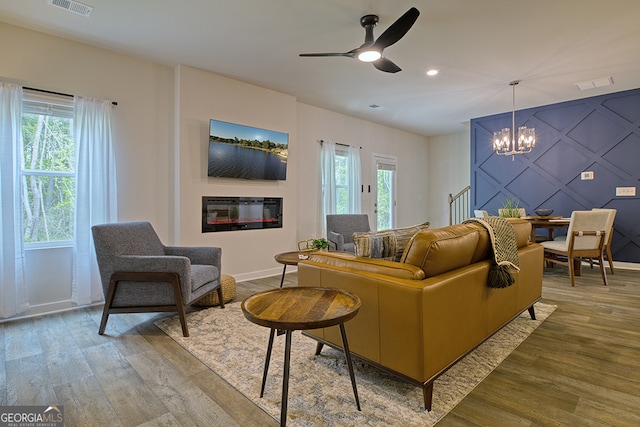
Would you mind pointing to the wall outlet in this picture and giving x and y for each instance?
(585, 176)
(625, 191)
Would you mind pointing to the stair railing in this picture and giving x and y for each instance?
(459, 206)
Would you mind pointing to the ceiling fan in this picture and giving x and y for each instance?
(370, 50)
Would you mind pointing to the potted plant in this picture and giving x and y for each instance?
(321, 243)
(510, 208)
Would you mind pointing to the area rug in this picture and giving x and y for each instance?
(320, 390)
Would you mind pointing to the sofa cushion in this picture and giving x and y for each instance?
(444, 249)
(381, 242)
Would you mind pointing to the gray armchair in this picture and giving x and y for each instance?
(340, 229)
(139, 274)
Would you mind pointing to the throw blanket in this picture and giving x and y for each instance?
(505, 250)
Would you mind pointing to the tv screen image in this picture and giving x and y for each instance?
(239, 151)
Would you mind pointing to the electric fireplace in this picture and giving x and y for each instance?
(240, 213)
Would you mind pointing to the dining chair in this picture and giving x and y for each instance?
(479, 213)
(607, 238)
(585, 239)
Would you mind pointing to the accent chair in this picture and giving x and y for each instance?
(340, 229)
(139, 274)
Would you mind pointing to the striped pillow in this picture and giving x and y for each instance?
(381, 244)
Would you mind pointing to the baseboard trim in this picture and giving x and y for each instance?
(262, 273)
(626, 265)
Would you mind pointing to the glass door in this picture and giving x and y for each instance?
(385, 169)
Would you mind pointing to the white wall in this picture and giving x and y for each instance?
(161, 133)
(143, 134)
(316, 124)
(143, 119)
(449, 172)
(203, 96)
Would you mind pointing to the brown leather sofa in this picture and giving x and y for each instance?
(422, 314)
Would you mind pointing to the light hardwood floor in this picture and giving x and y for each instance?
(581, 367)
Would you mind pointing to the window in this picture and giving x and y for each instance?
(340, 184)
(385, 191)
(47, 170)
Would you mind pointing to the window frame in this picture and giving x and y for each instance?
(58, 106)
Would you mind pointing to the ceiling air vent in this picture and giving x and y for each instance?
(72, 6)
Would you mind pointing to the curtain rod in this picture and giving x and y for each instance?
(338, 143)
(114, 103)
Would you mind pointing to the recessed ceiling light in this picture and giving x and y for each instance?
(432, 72)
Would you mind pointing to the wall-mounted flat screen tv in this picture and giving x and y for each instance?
(238, 151)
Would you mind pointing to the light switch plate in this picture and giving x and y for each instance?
(585, 176)
(625, 191)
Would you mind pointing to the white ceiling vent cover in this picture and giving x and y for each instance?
(72, 6)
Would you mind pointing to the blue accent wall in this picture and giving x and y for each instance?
(599, 134)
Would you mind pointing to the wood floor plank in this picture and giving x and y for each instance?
(86, 404)
(132, 399)
(60, 351)
(587, 350)
(235, 404)
(28, 382)
(186, 402)
(578, 368)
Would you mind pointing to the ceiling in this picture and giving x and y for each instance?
(478, 46)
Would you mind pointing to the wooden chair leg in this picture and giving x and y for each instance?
(603, 272)
(609, 258)
(571, 265)
(177, 292)
(111, 292)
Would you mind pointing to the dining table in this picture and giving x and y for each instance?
(549, 222)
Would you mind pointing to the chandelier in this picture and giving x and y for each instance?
(504, 141)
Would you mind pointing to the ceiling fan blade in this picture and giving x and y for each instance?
(398, 29)
(386, 65)
(347, 54)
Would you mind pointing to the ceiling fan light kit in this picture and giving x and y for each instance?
(369, 55)
(372, 50)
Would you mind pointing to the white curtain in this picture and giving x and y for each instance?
(328, 183)
(355, 181)
(13, 293)
(96, 191)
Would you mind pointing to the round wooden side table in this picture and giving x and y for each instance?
(292, 308)
(287, 258)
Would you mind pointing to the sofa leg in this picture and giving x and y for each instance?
(532, 312)
(319, 348)
(427, 393)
